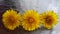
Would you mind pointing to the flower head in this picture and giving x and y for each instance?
(49, 19)
(11, 19)
(31, 20)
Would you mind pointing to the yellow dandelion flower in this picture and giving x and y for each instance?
(49, 19)
(11, 19)
(31, 20)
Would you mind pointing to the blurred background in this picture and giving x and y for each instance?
(39, 5)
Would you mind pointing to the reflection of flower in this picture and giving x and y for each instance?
(30, 20)
(49, 19)
(11, 19)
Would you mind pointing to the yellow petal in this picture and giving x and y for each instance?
(31, 20)
(49, 19)
(11, 19)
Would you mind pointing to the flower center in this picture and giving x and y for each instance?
(11, 20)
(49, 20)
(31, 20)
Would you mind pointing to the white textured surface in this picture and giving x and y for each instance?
(42, 5)
(39, 5)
